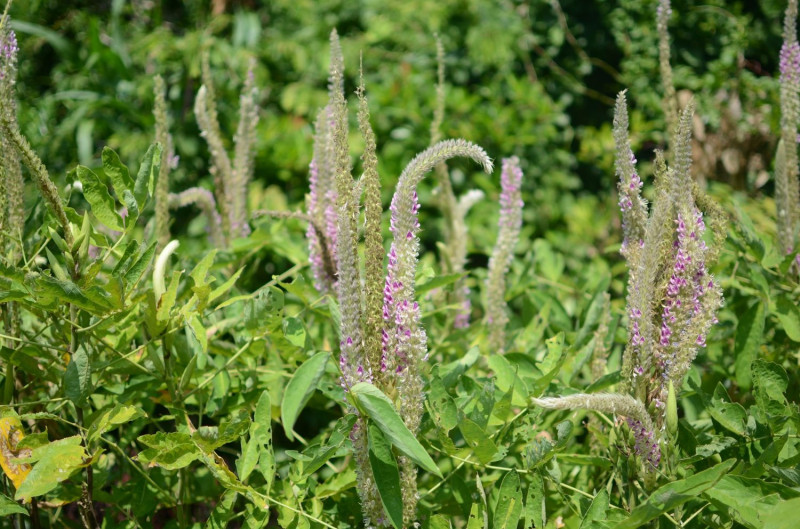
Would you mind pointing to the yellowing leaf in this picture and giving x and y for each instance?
(10, 435)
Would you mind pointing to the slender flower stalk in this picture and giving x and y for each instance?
(404, 340)
(244, 141)
(454, 211)
(672, 298)
(787, 189)
(162, 185)
(231, 179)
(670, 100)
(205, 109)
(15, 143)
(509, 227)
(373, 238)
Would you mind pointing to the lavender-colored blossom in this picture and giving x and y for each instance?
(645, 443)
(509, 226)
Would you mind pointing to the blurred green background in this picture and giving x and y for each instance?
(536, 79)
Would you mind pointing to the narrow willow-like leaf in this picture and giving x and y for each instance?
(387, 476)
(380, 410)
(300, 388)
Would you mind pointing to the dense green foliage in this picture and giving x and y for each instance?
(201, 386)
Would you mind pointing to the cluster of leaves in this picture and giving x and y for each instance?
(138, 395)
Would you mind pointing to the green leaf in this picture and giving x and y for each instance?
(55, 462)
(770, 380)
(439, 521)
(78, 377)
(259, 445)
(781, 516)
(745, 499)
(481, 443)
(445, 413)
(145, 179)
(9, 507)
(551, 364)
(168, 298)
(224, 512)
(596, 511)
(134, 274)
(170, 451)
(438, 282)
(226, 286)
(507, 380)
(96, 194)
(300, 388)
(535, 513)
(294, 331)
(673, 494)
(116, 171)
(386, 474)
(379, 408)
(730, 415)
(475, 520)
(789, 315)
(112, 418)
(230, 429)
(508, 508)
(749, 335)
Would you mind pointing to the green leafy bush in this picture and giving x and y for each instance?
(209, 321)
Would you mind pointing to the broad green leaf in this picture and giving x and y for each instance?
(445, 413)
(168, 298)
(386, 474)
(730, 415)
(596, 511)
(507, 380)
(300, 388)
(749, 336)
(317, 455)
(674, 494)
(145, 179)
(551, 364)
(54, 463)
(226, 286)
(9, 507)
(126, 259)
(170, 451)
(198, 331)
(789, 315)
(535, 513)
(134, 274)
(781, 516)
(452, 371)
(439, 521)
(78, 377)
(112, 418)
(51, 292)
(224, 511)
(116, 171)
(745, 499)
(508, 508)
(475, 520)
(481, 443)
(770, 380)
(96, 194)
(379, 408)
(259, 445)
(294, 331)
